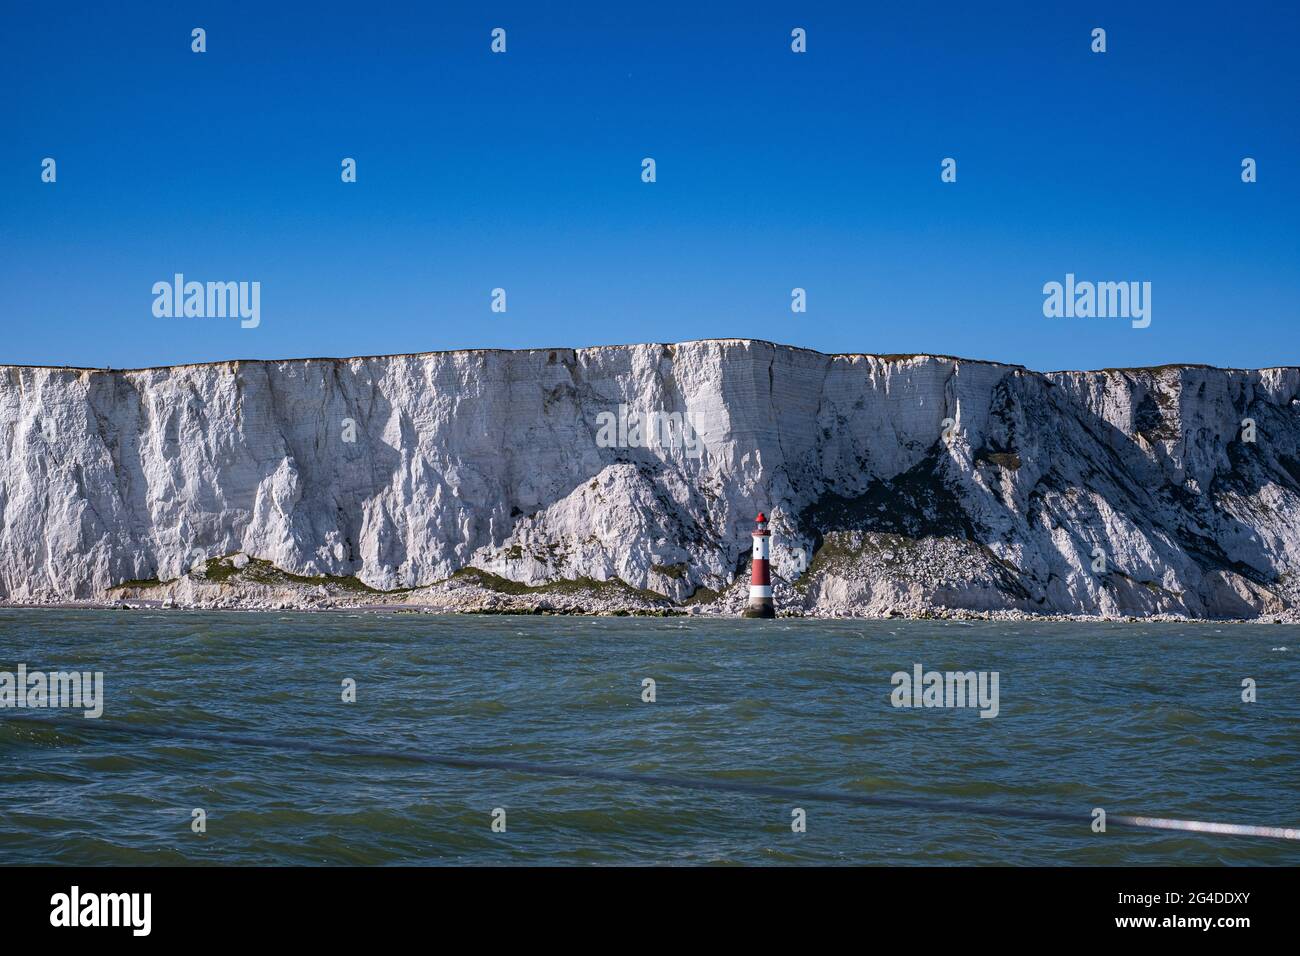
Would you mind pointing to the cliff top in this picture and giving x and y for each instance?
(886, 357)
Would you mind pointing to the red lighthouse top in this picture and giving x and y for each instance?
(761, 524)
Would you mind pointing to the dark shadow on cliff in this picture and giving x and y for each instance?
(1037, 433)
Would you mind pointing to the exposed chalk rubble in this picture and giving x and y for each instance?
(895, 484)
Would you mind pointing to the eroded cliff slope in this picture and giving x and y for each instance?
(1110, 492)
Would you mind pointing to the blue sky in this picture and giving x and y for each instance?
(775, 170)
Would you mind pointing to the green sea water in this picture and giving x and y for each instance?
(1133, 718)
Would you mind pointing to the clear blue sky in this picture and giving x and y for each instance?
(775, 170)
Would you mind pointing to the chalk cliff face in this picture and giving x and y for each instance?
(1109, 492)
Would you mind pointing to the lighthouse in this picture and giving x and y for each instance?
(760, 581)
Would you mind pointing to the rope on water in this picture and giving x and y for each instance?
(932, 805)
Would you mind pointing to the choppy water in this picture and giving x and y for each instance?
(1134, 718)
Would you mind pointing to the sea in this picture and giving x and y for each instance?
(365, 738)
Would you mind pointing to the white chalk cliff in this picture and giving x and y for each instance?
(490, 459)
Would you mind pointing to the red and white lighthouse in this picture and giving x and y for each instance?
(760, 580)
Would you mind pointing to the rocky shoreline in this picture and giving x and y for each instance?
(544, 609)
(236, 583)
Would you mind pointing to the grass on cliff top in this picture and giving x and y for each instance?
(613, 589)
